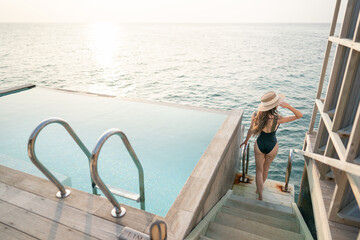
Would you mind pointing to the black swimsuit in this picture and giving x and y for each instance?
(267, 141)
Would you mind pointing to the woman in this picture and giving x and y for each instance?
(264, 124)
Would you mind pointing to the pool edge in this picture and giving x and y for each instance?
(16, 89)
(177, 105)
(210, 180)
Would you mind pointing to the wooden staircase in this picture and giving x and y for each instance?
(240, 216)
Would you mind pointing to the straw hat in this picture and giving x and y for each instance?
(270, 100)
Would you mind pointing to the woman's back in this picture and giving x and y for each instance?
(271, 125)
(266, 140)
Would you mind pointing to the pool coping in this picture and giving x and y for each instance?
(169, 104)
(210, 180)
(16, 89)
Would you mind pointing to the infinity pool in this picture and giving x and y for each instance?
(168, 139)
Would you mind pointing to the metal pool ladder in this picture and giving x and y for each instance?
(96, 181)
(118, 211)
(32, 155)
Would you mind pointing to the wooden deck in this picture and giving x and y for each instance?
(338, 231)
(29, 209)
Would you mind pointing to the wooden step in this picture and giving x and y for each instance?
(262, 204)
(271, 194)
(269, 186)
(221, 232)
(260, 210)
(273, 221)
(253, 227)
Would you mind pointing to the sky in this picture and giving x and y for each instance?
(202, 11)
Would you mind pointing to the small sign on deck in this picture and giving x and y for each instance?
(131, 234)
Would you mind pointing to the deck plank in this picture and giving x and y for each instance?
(35, 225)
(338, 231)
(95, 205)
(58, 212)
(343, 232)
(9, 233)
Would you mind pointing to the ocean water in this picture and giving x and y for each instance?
(221, 66)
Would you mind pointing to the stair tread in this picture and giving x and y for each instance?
(289, 225)
(270, 205)
(263, 208)
(219, 232)
(271, 194)
(269, 186)
(254, 226)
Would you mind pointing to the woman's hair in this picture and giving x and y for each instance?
(261, 119)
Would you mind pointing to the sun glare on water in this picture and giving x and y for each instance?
(104, 40)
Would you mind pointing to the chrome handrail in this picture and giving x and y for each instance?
(246, 152)
(118, 211)
(247, 158)
(32, 155)
(288, 172)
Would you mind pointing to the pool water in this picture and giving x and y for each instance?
(168, 140)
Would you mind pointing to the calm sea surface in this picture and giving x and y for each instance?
(223, 66)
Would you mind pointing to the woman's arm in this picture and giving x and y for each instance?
(249, 133)
(297, 113)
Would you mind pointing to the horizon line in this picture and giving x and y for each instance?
(175, 22)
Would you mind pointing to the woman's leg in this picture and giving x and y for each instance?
(259, 161)
(268, 160)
